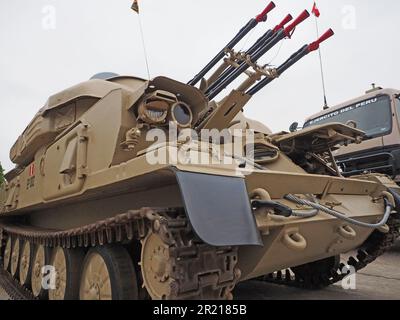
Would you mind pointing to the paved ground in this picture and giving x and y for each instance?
(380, 280)
(3, 294)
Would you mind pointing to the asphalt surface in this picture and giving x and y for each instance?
(379, 281)
(3, 295)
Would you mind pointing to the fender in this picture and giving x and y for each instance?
(218, 208)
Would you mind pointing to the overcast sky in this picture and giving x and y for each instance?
(49, 45)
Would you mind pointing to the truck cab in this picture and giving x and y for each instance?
(377, 113)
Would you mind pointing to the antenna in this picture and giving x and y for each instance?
(316, 12)
(135, 7)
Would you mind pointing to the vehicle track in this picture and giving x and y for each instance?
(197, 270)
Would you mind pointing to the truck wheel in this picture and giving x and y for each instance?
(108, 274)
(67, 264)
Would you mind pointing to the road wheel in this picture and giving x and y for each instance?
(156, 266)
(7, 254)
(108, 274)
(15, 253)
(39, 261)
(67, 264)
(25, 264)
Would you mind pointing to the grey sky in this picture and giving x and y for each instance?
(91, 36)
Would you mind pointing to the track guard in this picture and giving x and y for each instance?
(218, 208)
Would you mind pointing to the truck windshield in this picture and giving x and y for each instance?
(373, 116)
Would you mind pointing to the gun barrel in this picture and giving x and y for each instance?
(268, 35)
(222, 71)
(232, 74)
(293, 59)
(251, 51)
(242, 33)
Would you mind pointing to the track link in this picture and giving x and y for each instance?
(12, 287)
(213, 273)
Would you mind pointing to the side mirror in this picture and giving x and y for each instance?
(294, 126)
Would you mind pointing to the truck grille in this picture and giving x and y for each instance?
(382, 162)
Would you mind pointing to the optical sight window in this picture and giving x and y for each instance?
(182, 114)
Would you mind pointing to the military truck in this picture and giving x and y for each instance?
(101, 206)
(377, 113)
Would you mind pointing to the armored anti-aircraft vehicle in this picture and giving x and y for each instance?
(101, 206)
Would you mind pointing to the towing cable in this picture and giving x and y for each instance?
(390, 199)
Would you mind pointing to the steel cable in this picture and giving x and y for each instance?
(342, 216)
